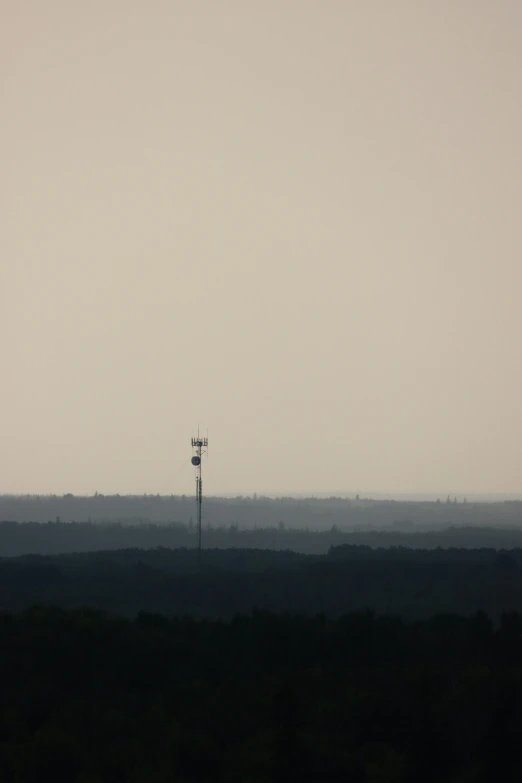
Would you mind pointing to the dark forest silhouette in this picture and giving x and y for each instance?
(374, 656)
(90, 697)
(410, 582)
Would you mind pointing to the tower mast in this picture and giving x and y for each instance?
(198, 446)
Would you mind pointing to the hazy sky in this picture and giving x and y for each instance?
(295, 223)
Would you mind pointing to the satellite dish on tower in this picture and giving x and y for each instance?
(196, 460)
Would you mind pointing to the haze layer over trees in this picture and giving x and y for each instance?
(251, 512)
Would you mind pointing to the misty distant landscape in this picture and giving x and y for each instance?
(139, 553)
(261, 396)
(251, 512)
(382, 641)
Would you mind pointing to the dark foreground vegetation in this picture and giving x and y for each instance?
(409, 582)
(260, 664)
(91, 698)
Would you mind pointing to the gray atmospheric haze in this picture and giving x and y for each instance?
(296, 223)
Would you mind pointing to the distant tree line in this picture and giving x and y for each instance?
(62, 537)
(258, 511)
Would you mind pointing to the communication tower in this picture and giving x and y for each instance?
(199, 447)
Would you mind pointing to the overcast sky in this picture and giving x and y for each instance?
(295, 223)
